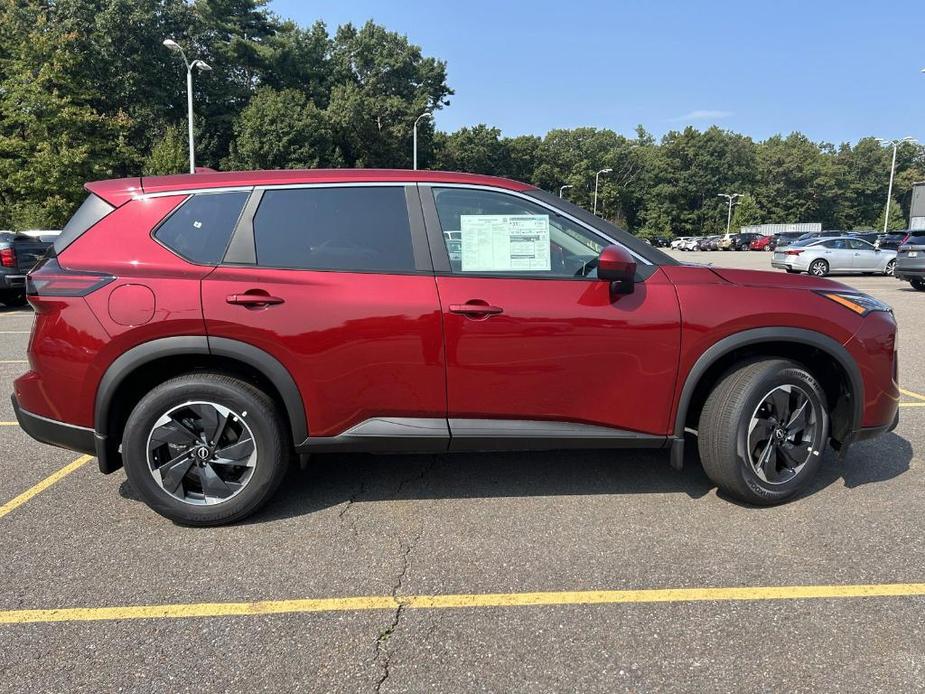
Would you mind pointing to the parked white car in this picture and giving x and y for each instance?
(843, 254)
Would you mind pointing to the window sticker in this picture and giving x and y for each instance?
(505, 243)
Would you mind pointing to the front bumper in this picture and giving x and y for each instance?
(53, 432)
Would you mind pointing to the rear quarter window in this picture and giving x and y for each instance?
(88, 214)
(199, 230)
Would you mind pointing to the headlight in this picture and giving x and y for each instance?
(862, 304)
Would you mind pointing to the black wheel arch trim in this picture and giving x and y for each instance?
(754, 336)
(180, 345)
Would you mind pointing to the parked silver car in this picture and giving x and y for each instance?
(821, 256)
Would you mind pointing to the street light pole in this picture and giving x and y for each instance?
(426, 114)
(889, 194)
(731, 198)
(597, 178)
(197, 65)
(561, 188)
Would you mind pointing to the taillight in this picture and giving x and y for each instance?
(905, 239)
(7, 257)
(795, 252)
(48, 278)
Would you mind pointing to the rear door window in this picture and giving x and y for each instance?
(359, 229)
(200, 228)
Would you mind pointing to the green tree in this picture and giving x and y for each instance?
(169, 154)
(282, 130)
(745, 213)
(897, 218)
(52, 139)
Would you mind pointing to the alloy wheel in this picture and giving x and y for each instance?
(201, 453)
(783, 433)
(890, 268)
(818, 268)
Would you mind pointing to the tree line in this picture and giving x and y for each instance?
(88, 91)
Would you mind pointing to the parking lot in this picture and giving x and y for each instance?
(593, 571)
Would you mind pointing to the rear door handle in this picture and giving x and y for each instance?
(476, 307)
(253, 300)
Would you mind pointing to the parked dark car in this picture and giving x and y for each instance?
(18, 254)
(910, 260)
(741, 242)
(661, 242)
(870, 236)
(784, 238)
(894, 239)
(202, 330)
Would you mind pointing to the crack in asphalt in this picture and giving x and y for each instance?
(342, 515)
(383, 654)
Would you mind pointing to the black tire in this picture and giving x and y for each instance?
(819, 268)
(250, 405)
(890, 268)
(723, 431)
(13, 299)
(918, 284)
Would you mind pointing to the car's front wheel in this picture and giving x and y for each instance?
(762, 431)
(205, 449)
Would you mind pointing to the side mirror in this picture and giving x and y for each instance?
(617, 266)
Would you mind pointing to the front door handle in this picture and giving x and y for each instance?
(476, 308)
(253, 299)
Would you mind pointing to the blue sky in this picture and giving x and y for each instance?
(836, 71)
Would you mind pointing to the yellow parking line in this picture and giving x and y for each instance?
(912, 404)
(14, 361)
(911, 394)
(13, 504)
(16, 424)
(461, 601)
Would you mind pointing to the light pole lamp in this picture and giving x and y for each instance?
(561, 188)
(190, 66)
(597, 178)
(417, 120)
(889, 193)
(731, 198)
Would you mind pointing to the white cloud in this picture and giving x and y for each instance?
(702, 115)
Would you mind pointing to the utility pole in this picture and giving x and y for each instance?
(597, 178)
(190, 66)
(417, 120)
(889, 193)
(731, 198)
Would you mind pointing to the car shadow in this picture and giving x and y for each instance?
(333, 479)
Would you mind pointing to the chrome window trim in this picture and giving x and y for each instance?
(420, 184)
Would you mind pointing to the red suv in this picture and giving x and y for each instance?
(202, 329)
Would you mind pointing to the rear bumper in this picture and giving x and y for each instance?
(53, 432)
(908, 270)
(13, 282)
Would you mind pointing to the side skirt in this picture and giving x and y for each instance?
(416, 435)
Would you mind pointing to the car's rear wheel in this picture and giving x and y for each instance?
(762, 431)
(890, 268)
(205, 449)
(918, 284)
(819, 268)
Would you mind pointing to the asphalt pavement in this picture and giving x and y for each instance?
(559, 571)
